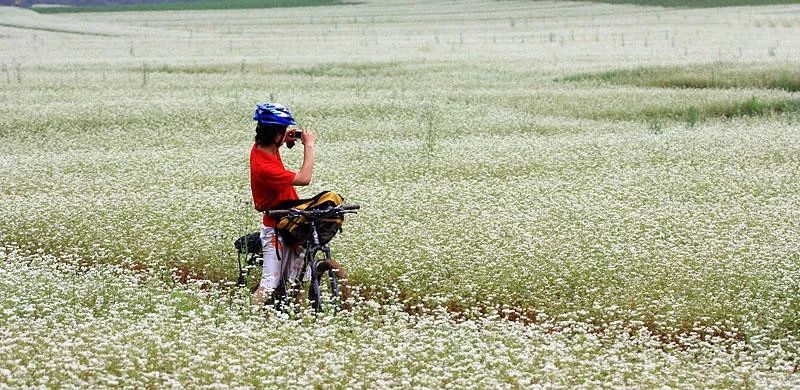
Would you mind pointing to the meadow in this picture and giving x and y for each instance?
(562, 194)
(699, 3)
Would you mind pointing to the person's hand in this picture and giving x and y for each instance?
(289, 136)
(308, 138)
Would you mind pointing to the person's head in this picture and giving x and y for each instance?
(270, 134)
(273, 119)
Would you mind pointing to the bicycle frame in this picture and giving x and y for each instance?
(313, 246)
(310, 262)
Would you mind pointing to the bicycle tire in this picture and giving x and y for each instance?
(330, 279)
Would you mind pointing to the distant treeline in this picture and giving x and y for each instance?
(145, 5)
(93, 3)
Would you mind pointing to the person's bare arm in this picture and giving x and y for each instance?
(303, 177)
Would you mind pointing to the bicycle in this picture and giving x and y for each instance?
(328, 276)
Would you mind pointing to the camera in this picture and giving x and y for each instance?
(296, 135)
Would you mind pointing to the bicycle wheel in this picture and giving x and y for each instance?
(328, 286)
(282, 296)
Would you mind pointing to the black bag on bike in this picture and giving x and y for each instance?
(249, 243)
(295, 229)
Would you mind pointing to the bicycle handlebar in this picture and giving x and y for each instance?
(342, 209)
(277, 213)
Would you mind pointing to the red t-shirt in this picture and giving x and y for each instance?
(270, 182)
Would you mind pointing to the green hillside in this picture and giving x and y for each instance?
(184, 5)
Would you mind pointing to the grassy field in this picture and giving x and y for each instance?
(700, 3)
(554, 193)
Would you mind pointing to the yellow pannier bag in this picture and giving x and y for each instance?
(296, 229)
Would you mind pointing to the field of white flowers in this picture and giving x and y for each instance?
(527, 219)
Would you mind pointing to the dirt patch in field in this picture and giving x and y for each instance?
(530, 315)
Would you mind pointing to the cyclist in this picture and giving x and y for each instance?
(271, 184)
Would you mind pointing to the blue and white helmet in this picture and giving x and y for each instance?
(273, 114)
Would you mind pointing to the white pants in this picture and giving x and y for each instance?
(273, 264)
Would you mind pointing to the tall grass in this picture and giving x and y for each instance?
(752, 107)
(717, 75)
